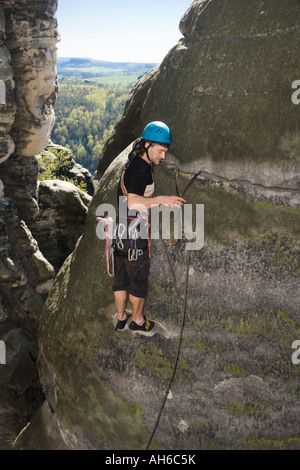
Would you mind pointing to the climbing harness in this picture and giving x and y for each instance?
(142, 217)
(183, 315)
(120, 230)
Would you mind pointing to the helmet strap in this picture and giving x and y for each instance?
(147, 150)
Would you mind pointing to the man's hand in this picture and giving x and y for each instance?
(171, 201)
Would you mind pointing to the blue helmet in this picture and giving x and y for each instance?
(158, 132)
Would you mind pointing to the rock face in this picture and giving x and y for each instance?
(61, 219)
(225, 91)
(235, 382)
(70, 169)
(31, 37)
(7, 102)
(28, 88)
(27, 91)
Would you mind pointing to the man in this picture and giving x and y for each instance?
(137, 186)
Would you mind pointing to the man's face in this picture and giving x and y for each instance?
(157, 153)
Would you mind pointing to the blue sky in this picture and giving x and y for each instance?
(119, 30)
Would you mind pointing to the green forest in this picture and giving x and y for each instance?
(85, 115)
(92, 94)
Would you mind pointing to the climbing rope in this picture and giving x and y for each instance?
(178, 350)
(108, 227)
(183, 315)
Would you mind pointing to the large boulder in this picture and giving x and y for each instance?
(25, 273)
(30, 37)
(235, 382)
(61, 219)
(20, 389)
(66, 168)
(7, 101)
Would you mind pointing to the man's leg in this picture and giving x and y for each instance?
(120, 297)
(137, 304)
(138, 272)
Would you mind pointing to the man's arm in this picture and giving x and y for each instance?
(137, 202)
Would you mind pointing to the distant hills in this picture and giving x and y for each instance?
(88, 68)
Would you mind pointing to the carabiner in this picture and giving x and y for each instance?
(121, 232)
(120, 244)
(132, 254)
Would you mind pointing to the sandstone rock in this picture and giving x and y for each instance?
(20, 390)
(31, 38)
(22, 267)
(21, 351)
(42, 433)
(225, 92)
(61, 220)
(7, 101)
(242, 296)
(250, 389)
(28, 89)
(19, 176)
(71, 170)
(28, 71)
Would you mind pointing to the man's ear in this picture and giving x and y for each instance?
(147, 145)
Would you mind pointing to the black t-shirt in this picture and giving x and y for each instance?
(138, 178)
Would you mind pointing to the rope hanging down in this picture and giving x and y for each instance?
(182, 320)
(178, 351)
(108, 227)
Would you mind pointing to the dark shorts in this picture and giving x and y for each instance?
(132, 276)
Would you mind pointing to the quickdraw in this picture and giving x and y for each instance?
(133, 251)
(188, 185)
(181, 195)
(141, 218)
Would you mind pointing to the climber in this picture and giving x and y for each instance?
(131, 255)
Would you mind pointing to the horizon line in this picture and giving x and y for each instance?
(108, 61)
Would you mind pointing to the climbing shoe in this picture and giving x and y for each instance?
(146, 326)
(122, 323)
